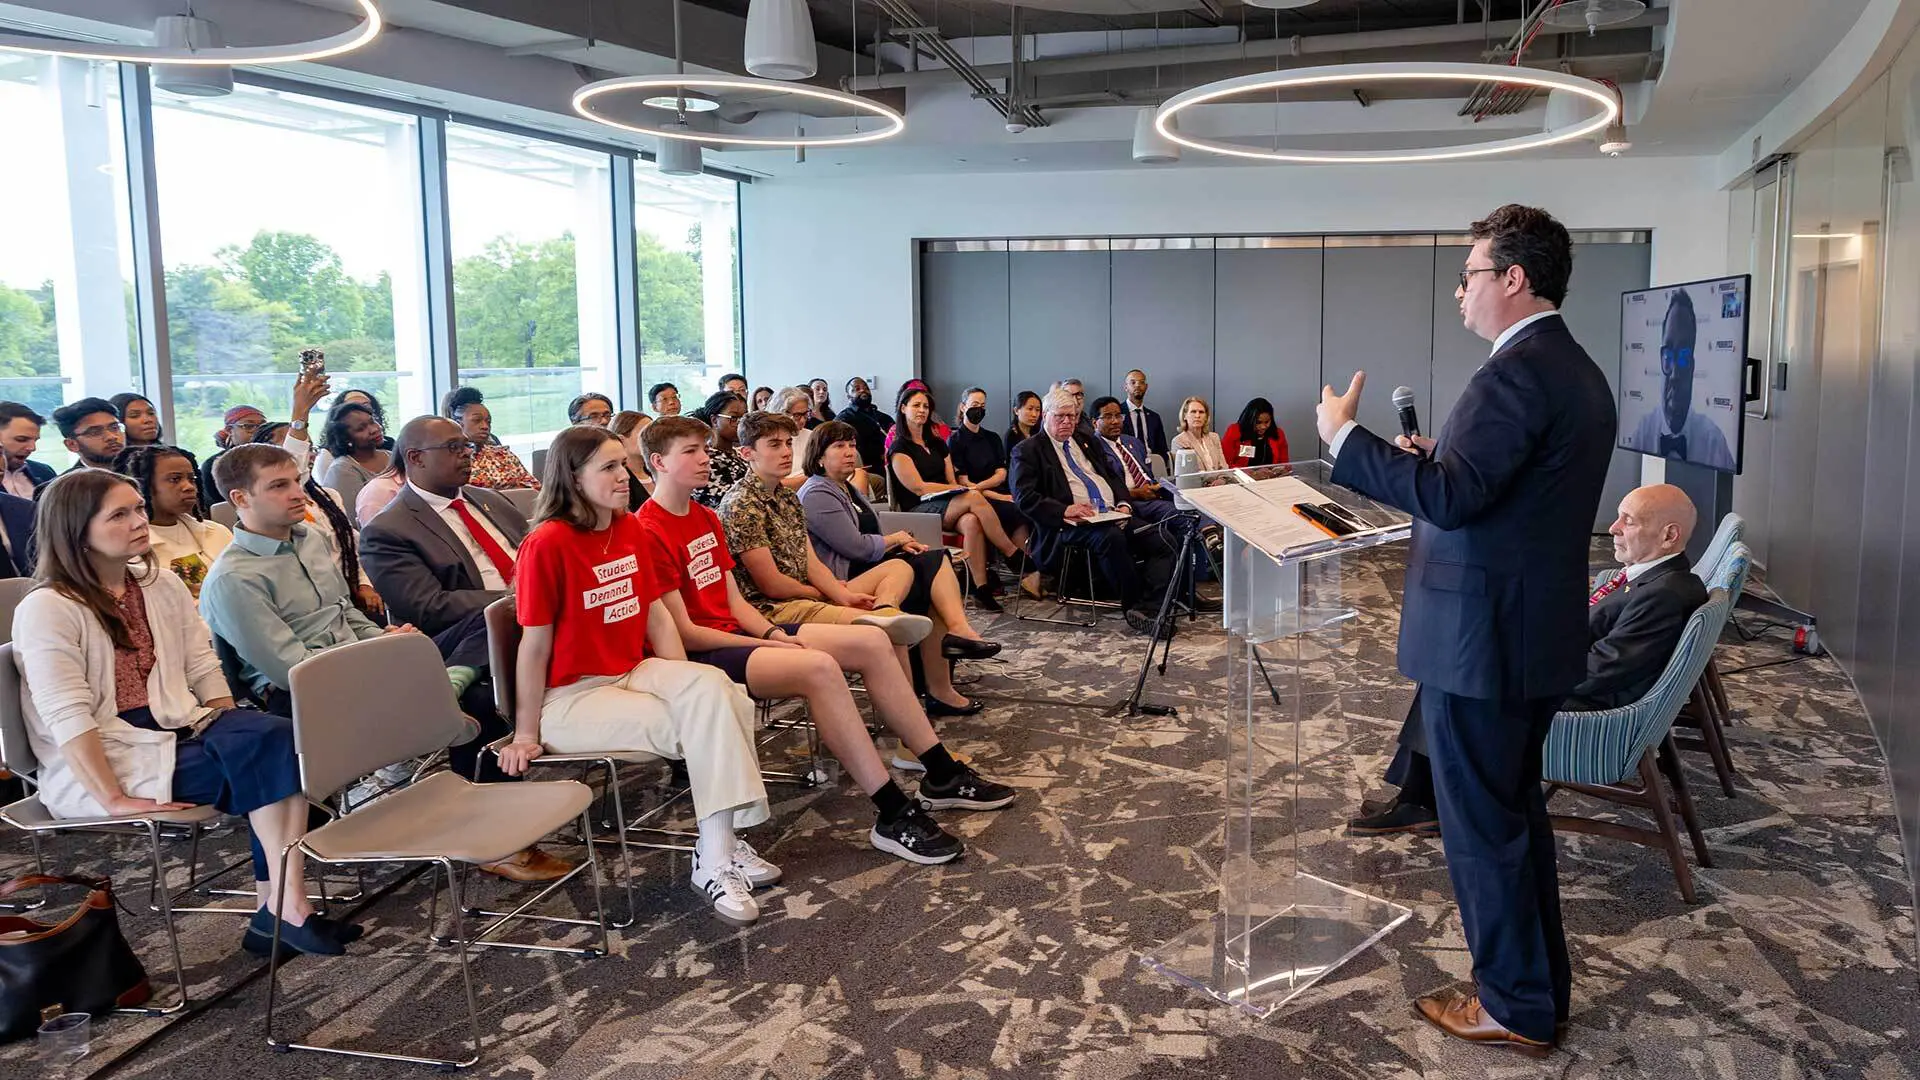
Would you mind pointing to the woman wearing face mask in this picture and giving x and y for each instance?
(980, 462)
(183, 541)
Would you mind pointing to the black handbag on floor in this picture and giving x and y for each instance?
(80, 964)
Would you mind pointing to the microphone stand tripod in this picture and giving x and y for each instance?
(1160, 634)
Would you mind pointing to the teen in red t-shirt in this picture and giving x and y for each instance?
(689, 556)
(590, 606)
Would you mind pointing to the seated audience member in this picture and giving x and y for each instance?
(327, 515)
(93, 432)
(16, 534)
(323, 458)
(924, 483)
(277, 597)
(243, 424)
(761, 396)
(940, 427)
(1078, 390)
(780, 574)
(591, 409)
(822, 396)
(629, 426)
(442, 550)
(980, 462)
(1634, 621)
(1254, 439)
(722, 413)
(1065, 478)
(847, 538)
(796, 404)
(380, 490)
(19, 438)
(354, 438)
(733, 383)
(140, 419)
(1139, 421)
(128, 712)
(665, 399)
(183, 542)
(601, 666)
(1197, 435)
(494, 466)
(718, 627)
(870, 425)
(1026, 420)
(1150, 500)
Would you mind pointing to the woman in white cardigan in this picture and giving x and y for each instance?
(126, 707)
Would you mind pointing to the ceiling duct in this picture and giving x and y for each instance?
(780, 41)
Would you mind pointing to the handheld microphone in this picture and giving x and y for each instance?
(1409, 420)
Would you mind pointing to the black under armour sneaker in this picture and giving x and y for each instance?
(916, 837)
(964, 790)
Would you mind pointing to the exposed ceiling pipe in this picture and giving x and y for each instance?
(957, 67)
(1317, 44)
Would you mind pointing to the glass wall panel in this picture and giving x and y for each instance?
(67, 317)
(687, 247)
(288, 222)
(533, 282)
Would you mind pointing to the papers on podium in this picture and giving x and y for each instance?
(1261, 512)
(1100, 518)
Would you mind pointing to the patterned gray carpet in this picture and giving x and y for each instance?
(1021, 959)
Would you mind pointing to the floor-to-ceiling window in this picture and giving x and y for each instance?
(288, 222)
(686, 245)
(67, 318)
(533, 282)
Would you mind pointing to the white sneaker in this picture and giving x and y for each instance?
(729, 891)
(902, 629)
(759, 872)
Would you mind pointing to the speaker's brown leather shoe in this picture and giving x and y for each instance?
(1461, 1016)
(528, 866)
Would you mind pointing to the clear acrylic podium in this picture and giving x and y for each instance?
(1288, 913)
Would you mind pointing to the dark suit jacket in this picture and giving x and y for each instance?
(1139, 455)
(870, 427)
(16, 517)
(1041, 490)
(421, 569)
(1635, 629)
(40, 473)
(1497, 571)
(1156, 434)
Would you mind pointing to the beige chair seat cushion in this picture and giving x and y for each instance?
(30, 815)
(444, 815)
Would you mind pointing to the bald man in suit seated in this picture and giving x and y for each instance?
(1634, 617)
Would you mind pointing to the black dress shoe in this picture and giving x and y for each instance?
(954, 647)
(1141, 622)
(936, 707)
(983, 599)
(1401, 817)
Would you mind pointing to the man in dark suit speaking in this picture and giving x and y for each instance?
(1493, 626)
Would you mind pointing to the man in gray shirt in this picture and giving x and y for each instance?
(276, 596)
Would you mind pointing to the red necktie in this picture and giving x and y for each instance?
(496, 554)
(1606, 589)
(1136, 476)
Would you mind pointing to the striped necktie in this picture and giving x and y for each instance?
(1607, 588)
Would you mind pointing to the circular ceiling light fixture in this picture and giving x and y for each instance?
(197, 52)
(591, 100)
(686, 99)
(1592, 14)
(1607, 110)
(1281, 5)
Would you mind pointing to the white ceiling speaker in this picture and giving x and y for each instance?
(1615, 141)
(1149, 146)
(678, 157)
(189, 33)
(1592, 14)
(1281, 5)
(780, 41)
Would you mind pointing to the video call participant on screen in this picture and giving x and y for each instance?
(1674, 431)
(1491, 626)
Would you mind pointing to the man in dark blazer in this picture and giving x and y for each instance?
(427, 562)
(16, 519)
(1062, 475)
(1635, 617)
(1493, 627)
(19, 438)
(1141, 422)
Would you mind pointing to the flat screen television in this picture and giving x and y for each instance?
(1684, 371)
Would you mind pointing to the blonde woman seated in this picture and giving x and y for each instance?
(1197, 435)
(126, 707)
(602, 667)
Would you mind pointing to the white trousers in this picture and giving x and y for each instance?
(672, 709)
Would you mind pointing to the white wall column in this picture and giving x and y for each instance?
(717, 221)
(89, 290)
(406, 235)
(593, 277)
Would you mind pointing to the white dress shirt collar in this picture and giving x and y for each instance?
(1639, 568)
(437, 503)
(1507, 334)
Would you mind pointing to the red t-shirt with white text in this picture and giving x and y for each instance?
(594, 589)
(689, 552)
